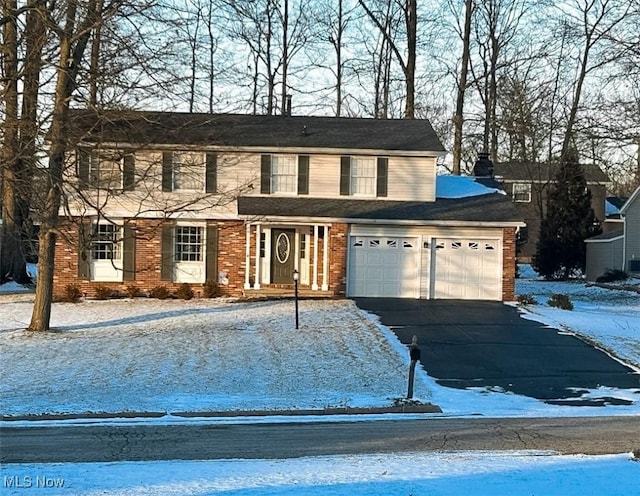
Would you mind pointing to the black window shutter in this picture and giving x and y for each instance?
(82, 163)
(303, 174)
(212, 254)
(166, 269)
(383, 176)
(167, 171)
(128, 173)
(212, 173)
(129, 253)
(265, 175)
(84, 250)
(345, 175)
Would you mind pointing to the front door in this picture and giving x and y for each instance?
(282, 255)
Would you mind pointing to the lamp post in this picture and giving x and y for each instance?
(296, 276)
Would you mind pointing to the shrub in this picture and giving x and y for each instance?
(210, 289)
(612, 275)
(185, 292)
(72, 294)
(560, 301)
(160, 292)
(133, 291)
(103, 292)
(527, 299)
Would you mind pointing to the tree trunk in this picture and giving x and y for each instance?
(462, 85)
(66, 75)
(410, 67)
(285, 56)
(12, 263)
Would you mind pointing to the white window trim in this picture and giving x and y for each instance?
(108, 269)
(101, 156)
(272, 179)
(353, 178)
(190, 271)
(176, 162)
(528, 192)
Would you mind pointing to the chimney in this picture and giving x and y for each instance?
(483, 166)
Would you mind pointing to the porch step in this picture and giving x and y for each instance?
(286, 292)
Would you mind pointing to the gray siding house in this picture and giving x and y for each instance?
(617, 249)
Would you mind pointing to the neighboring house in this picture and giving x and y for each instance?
(246, 200)
(617, 249)
(527, 184)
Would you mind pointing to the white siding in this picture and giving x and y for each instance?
(412, 179)
(324, 176)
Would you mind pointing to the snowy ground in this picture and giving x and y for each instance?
(418, 474)
(205, 355)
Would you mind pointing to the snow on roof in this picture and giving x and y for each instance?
(461, 187)
(610, 208)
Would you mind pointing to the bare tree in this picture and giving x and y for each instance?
(380, 16)
(462, 86)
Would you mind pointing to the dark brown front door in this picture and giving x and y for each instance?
(282, 255)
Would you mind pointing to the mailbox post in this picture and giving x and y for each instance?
(296, 276)
(414, 355)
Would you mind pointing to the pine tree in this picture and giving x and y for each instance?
(568, 220)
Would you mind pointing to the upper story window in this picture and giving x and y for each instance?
(105, 169)
(521, 192)
(106, 242)
(189, 171)
(364, 176)
(284, 174)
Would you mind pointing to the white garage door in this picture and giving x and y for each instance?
(383, 266)
(467, 269)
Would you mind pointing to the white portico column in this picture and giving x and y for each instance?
(247, 256)
(325, 259)
(314, 286)
(256, 284)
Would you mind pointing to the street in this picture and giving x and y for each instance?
(587, 435)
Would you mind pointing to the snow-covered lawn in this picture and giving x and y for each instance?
(433, 474)
(146, 355)
(609, 318)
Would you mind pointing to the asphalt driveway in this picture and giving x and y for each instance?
(487, 344)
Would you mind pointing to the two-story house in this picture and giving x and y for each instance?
(527, 184)
(248, 200)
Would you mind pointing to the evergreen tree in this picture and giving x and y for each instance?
(568, 220)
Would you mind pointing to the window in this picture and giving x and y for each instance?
(363, 176)
(105, 170)
(188, 171)
(284, 177)
(106, 243)
(522, 192)
(188, 244)
(303, 246)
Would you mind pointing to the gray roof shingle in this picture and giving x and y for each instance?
(161, 128)
(525, 171)
(493, 208)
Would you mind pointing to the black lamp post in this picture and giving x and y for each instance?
(296, 276)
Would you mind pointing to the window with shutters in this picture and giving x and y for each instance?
(188, 171)
(363, 176)
(188, 244)
(284, 174)
(106, 170)
(106, 242)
